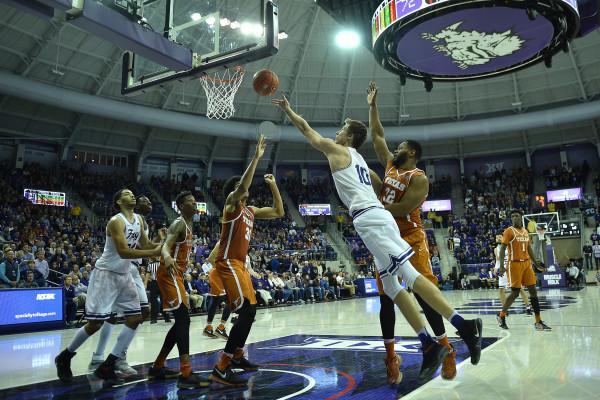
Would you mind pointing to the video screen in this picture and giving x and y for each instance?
(555, 196)
(45, 197)
(437, 205)
(314, 209)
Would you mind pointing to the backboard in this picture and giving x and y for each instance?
(550, 221)
(220, 34)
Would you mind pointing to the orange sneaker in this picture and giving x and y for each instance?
(449, 365)
(394, 376)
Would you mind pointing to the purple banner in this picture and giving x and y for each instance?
(564, 195)
(437, 205)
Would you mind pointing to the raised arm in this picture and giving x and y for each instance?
(381, 148)
(276, 211)
(315, 139)
(415, 194)
(246, 180)
(116, 229)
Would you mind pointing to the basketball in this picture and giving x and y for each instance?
(265, 82)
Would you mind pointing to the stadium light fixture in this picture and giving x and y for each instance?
(347, 39)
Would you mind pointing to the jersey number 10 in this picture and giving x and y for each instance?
(363, 175)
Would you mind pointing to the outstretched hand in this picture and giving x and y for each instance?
(269, 179)
(260, 147)
(372, 94)
(284, 104)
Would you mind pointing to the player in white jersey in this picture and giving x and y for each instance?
(112, 287)
(503, 283)
(379, 232)
(144, 207)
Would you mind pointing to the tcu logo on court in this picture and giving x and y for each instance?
(474, 48)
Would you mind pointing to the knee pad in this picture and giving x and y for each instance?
(391, 286)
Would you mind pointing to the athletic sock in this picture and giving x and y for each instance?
(456, 320)
(443, 340)
(425, 338)
(105, 333)
(186, 368)
(538, 317)
(80, 337)
(389, 347)
(123, 341)
(224, 361)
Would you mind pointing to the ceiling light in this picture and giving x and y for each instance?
(195, 16)
(347, 39)
(235, 25)
(210, 20)
(246, 28)
(282, 35)
(225, 22)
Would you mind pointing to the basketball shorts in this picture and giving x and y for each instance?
(216, 283)
(111, 291)
(237, 283)
(139, 285)
(520, 274)
(172, 290)
(378, 230)
(420, 260)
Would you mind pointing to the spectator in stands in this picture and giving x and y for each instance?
(29, 282)
(37, 276)
(85, 278)
(334, 284)
(596, 249)
(80, 291)
(347, 283)
(196, 299)
(587, 254)
(9, 270)
(27, 254)
(290, 284)
(70, 300)
(483, 279)
(263, 290)
(41, 265)
(573, 274)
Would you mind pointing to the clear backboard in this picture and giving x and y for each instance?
(549, 221)
(220, 34)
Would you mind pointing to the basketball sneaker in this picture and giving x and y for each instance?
(449, 365)
(394, 375)
(541, 326)
(107, 372)
(163, 373)
(63, 366)
(470, 333)
(221, 332)
(192, 382)
(227, 377)
(501, 321)
(94, 364)
(433, 355)
(208, 332)
(528, 310)
(122, 367)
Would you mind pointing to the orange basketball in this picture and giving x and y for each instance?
(265, 82)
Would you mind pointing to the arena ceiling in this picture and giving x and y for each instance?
(324, 83)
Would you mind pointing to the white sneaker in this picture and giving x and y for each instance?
(124, 368)
(94, 364)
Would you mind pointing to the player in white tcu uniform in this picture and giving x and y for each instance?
(377, 228)
(144, 207)
(112, 287)
(503, 283)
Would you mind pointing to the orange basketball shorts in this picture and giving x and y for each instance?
(216, 284)
(420, 260)
(520, 274)
(237, 283)
(172, 291)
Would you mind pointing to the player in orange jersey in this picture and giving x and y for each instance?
(236, 231)
(520, 269)
(218, 295)
(173, 263)
(402, 192)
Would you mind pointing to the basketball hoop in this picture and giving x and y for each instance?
(220, 89)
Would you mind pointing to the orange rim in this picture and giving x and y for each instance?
(237, 69)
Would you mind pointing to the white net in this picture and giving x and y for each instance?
(220, 89)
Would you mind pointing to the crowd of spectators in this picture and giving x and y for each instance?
(565, 176)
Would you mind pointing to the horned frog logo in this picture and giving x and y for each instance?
(474, 48)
